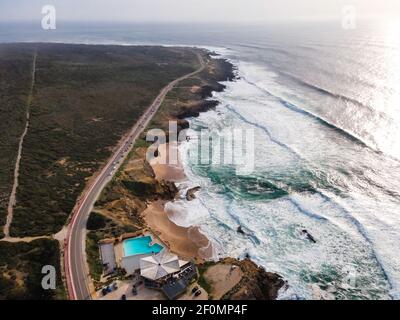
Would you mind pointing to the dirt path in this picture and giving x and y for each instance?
(25, 239)
(12, 200)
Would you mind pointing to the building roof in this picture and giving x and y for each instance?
(158, 266)
(174, 289)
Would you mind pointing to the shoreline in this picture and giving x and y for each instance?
(188, 242)
(201, 247)
(138, 196)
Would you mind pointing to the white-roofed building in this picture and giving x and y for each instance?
(166, 272)
(160, 265)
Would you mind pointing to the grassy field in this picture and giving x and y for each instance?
(85, 98)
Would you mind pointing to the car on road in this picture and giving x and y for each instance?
(195, 289)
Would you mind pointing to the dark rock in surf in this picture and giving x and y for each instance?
(240, 230)
(194, 110)
(256, 284)
(309, 236)
(190, 194)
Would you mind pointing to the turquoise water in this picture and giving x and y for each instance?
(324, 105)
(140, 246)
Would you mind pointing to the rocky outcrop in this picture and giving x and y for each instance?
(191, 193)
(240, 230)
(256, 284)
(128, 195)
(195, 109)
(309, 237)
(139, 179)
(194, 101)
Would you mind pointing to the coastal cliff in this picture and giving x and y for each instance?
(137, 195)
(257, 283)
(233, 279)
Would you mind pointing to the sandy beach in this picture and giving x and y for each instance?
(188, 243)
(165, 171)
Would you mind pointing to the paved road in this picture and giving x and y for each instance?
(75, 258)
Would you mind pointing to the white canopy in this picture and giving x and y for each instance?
(159, 266)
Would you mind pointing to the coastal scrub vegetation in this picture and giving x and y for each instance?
(85, 99)
(15, 78)
(134, 186)
(21, 270)
(101, 227)
(192, 95)
(202, 268)
(125, 197)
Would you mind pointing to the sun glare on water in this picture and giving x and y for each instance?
(386, 98)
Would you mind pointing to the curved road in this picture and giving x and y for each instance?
(76, 271)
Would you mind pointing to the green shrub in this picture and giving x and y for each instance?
(96, 221)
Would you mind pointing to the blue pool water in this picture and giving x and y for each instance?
(140, 246)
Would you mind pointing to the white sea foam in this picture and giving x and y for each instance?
(185, 213)
(273, 229)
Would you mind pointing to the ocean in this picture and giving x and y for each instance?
(324, 104)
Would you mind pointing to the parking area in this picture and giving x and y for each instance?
(125, 288)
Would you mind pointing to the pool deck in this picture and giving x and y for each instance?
(107, 254)
(143, 293)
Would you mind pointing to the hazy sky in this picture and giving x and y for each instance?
(194, 10)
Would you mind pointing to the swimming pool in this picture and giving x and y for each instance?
(140, 245)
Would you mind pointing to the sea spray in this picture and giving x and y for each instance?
(274, 225)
